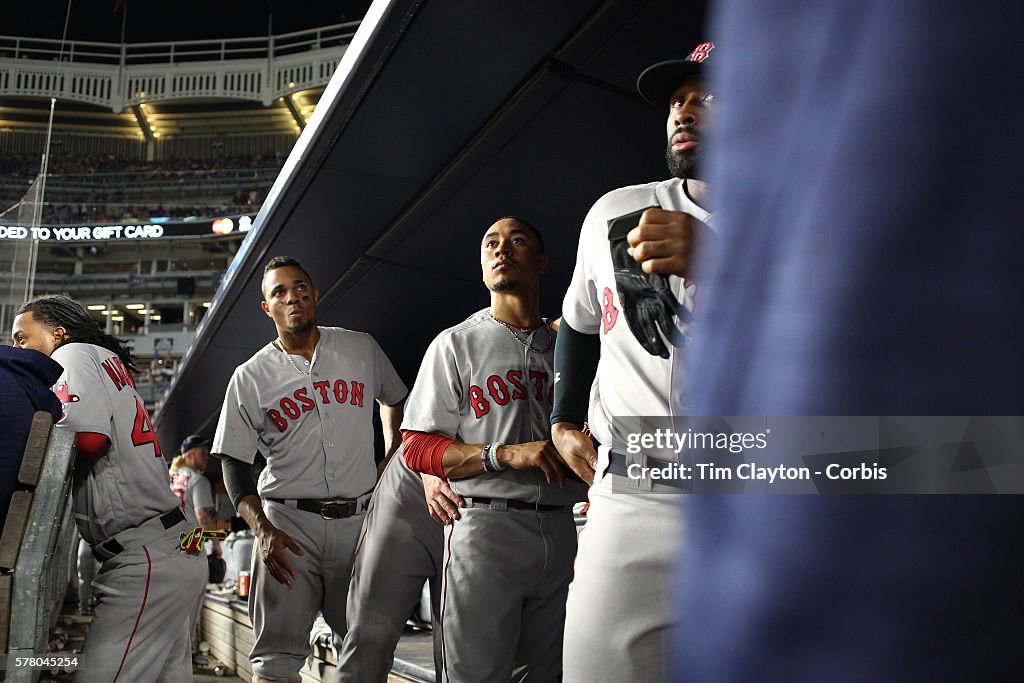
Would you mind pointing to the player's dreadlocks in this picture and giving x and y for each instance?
(55, 310)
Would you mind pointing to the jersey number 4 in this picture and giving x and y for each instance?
(142, 431)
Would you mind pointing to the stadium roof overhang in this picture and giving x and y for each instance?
(436, 123)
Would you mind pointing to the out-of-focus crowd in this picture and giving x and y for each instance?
(106, 188)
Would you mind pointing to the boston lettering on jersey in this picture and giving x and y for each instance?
(511, 387)
(291, 407)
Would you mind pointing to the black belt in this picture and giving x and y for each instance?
(110, 547)
(618, 465)
(518, 504)
(328, 509)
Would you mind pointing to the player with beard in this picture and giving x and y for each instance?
(305, 401)
(631, 301)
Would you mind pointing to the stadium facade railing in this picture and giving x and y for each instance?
(118, 76)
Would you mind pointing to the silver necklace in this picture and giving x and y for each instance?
(280, 345)
(514, 333)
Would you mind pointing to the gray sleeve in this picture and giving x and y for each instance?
(581, 306)
(390, 387)
(435, 404)
(83, 391)
(237, 431)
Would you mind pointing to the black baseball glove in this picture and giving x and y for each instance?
(647, 300)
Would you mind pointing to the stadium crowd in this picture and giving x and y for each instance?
(108, 188)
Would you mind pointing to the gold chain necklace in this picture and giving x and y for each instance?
(280, 346)
(514, 333)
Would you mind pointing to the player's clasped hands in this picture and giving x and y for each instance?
(442, 501)
(576, 450)
(664, 242)
(273, 544)
(539, 454)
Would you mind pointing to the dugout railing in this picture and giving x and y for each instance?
(35, 545)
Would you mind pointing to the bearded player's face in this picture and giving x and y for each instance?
(689, 109)
(289, 299)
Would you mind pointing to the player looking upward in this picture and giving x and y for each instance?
(478, 415)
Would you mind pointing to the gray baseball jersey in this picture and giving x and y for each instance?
(478, 385)
(191, 488)
(592, 306)
(625, 563)
(311, 420)
(314, 423)
(128, 485)
(147, 588)
(400, 549)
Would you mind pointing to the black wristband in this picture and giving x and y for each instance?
(238, 479)
(576, 358)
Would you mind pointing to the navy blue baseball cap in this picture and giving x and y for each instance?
(193, 441)
(657, 82)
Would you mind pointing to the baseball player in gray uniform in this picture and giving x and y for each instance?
(630, 298)
(148, 583)
(400, 549)
(305, 402)
(194, 491)
(478, 414)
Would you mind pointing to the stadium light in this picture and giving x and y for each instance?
(206, 304)
(96, 307)
(223, 226)
(154, 317)
(135, 307)
(117, 318)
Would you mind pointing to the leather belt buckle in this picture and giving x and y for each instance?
(337, 509)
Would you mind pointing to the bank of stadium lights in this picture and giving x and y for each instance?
(97, 307)
(135, 307)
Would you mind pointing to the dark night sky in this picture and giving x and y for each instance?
(164, 20)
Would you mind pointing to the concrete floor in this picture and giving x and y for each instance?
(414, 651)
(74, 626)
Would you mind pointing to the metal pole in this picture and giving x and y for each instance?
(37, 210)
